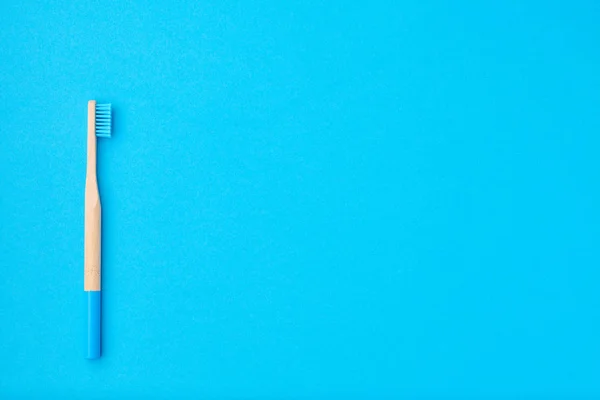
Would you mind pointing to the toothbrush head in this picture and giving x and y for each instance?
(103, 120)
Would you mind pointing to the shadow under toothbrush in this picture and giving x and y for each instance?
(104, 172)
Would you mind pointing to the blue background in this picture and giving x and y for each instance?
(302, 198)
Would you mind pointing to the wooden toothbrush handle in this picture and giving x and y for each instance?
(92, 241)
(92, 237)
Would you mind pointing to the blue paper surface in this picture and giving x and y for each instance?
(304, 199)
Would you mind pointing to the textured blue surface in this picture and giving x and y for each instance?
(93, 338)
(301, 198)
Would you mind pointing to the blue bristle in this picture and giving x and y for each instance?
(103, 120)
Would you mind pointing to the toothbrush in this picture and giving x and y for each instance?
(99, 125)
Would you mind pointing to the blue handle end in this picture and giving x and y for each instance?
(94, 326)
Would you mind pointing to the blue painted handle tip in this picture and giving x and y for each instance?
(94, 326)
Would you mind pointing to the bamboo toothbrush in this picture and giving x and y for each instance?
(99, 125)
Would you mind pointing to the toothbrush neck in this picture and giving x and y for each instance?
(91, 154)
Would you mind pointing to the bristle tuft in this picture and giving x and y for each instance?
(103, 120)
